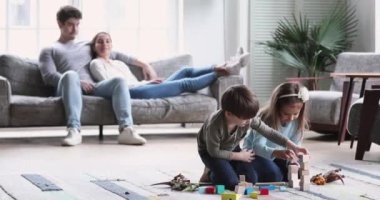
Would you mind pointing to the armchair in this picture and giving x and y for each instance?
(361, 122)
(325, 106)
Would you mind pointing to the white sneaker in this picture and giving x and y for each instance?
(129, 136)
(241, 59)
(73, 137)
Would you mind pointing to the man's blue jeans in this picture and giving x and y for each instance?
(116, 89)
(226, 172)
(187, 79)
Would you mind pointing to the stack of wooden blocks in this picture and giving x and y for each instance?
(303, 171)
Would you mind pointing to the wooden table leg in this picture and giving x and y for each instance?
(367, 119)
(346, 100)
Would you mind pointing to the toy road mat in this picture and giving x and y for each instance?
(118, 185)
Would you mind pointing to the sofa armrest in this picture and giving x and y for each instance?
(5, 98)
(222, 83)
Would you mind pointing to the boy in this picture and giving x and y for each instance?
(219, 138)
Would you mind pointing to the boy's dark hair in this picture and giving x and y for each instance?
(67, 12)
(240, 101)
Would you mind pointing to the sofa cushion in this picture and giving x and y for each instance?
(24, 76)
(48, 111)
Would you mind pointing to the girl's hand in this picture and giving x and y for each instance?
(297, 149)
(285, 154)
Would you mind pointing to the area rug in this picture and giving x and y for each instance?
(359, 183)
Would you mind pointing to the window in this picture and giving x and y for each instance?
(144, 28)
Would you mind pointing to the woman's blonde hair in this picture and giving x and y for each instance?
(285, 94)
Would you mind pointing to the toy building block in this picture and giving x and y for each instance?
(271, 183)
(269, 187)
(293, 183)
(305, 187)
(305, 173)
(248, 190)
(304, 158)
(220, 189)
(293, 176)
(210, 190)
(242, 178)
(305, 165)
(202, 189)
(282, 189)
(254, 195)
(230, 196)
(264, 191)
(239, 189)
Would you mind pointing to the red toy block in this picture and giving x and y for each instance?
(210, 190)
(264, 191)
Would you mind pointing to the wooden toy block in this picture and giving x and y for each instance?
(248, 190)
(293, 183)
(202, 189)
(210, 190)
(242, 178)
(254, 195)
(271, 183)
(305, 172)
(304, 158)
(305, 178)
(230, 196)
(220, 189)
(264, 191)
(282, 189)
(239, 189)
(305, 166)
(305, 187)
(293, 168)
(269, 187)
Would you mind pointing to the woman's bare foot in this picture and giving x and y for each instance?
(204, 178)
(221, 70)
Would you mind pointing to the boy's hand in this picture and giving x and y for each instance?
(245, 155)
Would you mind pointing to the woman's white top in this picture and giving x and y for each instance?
(102, 69)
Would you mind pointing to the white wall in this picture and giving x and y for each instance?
(204, 30)
(365, 41)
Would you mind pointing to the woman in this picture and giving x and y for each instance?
(187, 79)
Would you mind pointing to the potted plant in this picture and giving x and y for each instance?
(312, 49)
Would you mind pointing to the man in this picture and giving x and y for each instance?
(63, 66)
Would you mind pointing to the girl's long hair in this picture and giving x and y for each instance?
(270, 113)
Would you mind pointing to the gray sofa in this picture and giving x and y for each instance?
(26, 101)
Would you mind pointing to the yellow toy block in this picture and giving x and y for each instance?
(254, 195)
(230, 196)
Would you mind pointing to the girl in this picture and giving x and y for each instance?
(187, 79)
(285, 113)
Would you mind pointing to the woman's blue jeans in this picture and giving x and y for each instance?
(226, 172)
(187, 79)
(270, 170)
(116, 89)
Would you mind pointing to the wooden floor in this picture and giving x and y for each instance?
(166, 154)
